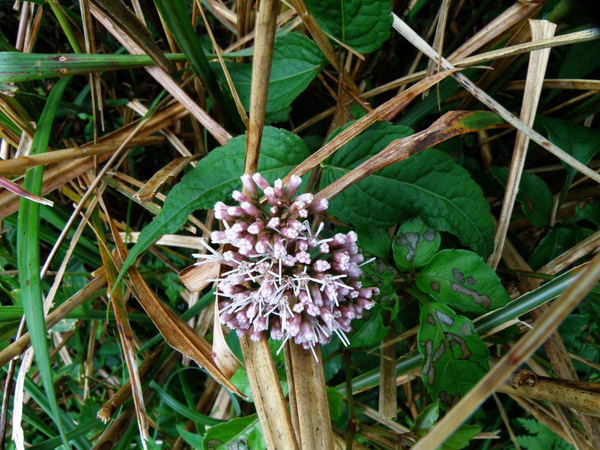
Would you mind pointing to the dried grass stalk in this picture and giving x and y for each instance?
(308, 397)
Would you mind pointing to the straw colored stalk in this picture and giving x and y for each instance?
(324, 44)
(308, 397)
(266, 23)
(536, 71)
(80, 161)
(483, 97)
(449, 125)
(115, 430)
(566, 39)
(117, 400)
(124, 36)
(176, 332)
(117, 300)
(542, 329)
(268, 398)
(399, 101)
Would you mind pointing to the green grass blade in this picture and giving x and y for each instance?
(16, 67)
(28, 251)
(180, 408)
(81, 442)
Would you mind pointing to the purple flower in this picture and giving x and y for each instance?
(283, 276)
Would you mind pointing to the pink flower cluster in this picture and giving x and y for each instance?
(282, 275)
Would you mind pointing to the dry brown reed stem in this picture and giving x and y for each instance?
(378, 114)
(178, 334)
(236, 98)
(388, 392)
(309, 405)
(116, 401)
(323, 42)
(268, 398)
(84, 294)
(538, 62)
(69, 169)
(523, 349)
(163, 77)
(567, 39)
(545, 417)
(266, 22)
(483, 97)
(112, 435)
(442, 129)
(554, 346)
(117, 300)
(270, 403)
(509, 18)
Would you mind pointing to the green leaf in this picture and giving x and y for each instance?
(454, 357)
(588, 211)
(463, 280)
(415, 244)
(17, 66)
(376, 241)
(215, 177)
(534, 195)
(368, 332)
(541, 436)
(429, 184)
(363, 25)
(28, 251)
(336, 403)
(426, 419)
(555, 243)
(193, 439)
(240, 433)
(296, 62)
(461, 437)
(578, 141)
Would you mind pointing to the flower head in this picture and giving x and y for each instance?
(283, 276)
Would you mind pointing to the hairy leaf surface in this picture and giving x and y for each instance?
(429, 184)
(364, 25)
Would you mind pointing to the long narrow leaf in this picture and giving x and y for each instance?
(16, 67)
(28, 250)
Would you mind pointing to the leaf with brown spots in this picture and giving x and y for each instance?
(454, 357)
(461, 279)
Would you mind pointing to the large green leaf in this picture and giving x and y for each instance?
(429, 184)
(215, 177)
(454, 357)
(463, 280)
(364, 25)
(296, 62)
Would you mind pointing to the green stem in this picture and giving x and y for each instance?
(65, 25)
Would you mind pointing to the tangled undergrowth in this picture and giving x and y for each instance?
(410, 262)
